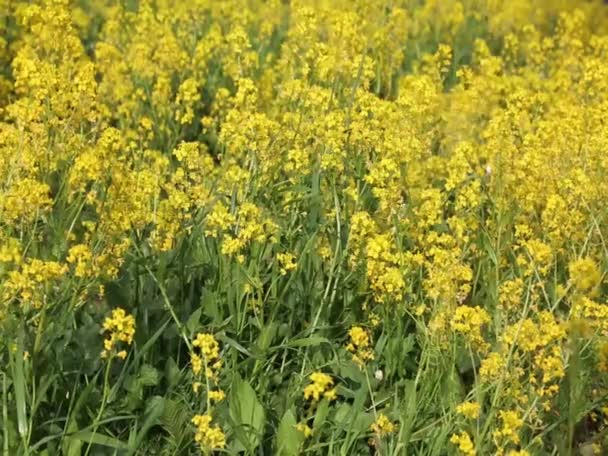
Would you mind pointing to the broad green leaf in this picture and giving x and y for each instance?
(172, 372)
(148, 375)
(342, 414)
(247, 412)
(321, 415)
(194, 321)
(73, 447)
(289, 438)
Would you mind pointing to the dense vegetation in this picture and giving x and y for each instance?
(303, 227)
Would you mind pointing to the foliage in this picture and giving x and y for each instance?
(303, 227)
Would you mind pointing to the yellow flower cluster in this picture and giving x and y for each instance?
(207, 360)
(464, 444)
(320, 388)
(360, 345)
(383, 426)
(469, 410)
(286, 262)
(120, 327)
(441, 161)
(584, 275)
(209, 437)
(469, 322)
(511, 425)
(30, 283)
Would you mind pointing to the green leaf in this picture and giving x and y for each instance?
(308, 342)
(194, 321)
(408, 413)
(72, 447)
(210, 305)
(154, 411)
(174, 421)
(173, 373)
(19, 385)
(342, 414)
(148, 376)
(100, 439)
(235, 344)
(321, 415)
(289, 438)
(267, 335)
(247, 412)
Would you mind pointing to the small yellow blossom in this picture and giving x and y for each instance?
(216, 396)
(304, 429)
(469, 322)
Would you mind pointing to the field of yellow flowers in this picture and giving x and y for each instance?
(318, 227)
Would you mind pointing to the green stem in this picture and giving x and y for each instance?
(104, 401)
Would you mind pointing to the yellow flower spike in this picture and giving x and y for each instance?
(120, 327)
(360, 345)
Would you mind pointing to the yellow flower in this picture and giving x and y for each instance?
(469, 410)
(321, 386)
(584, 274)
(464, 443)
(287, 262)
(511, 424)
(207, 436)
(120, 327)
(208, 356)
(491, 367)
(469, 322)
(304, 429)
(382, 426)
(216, 396)
(359, 345)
